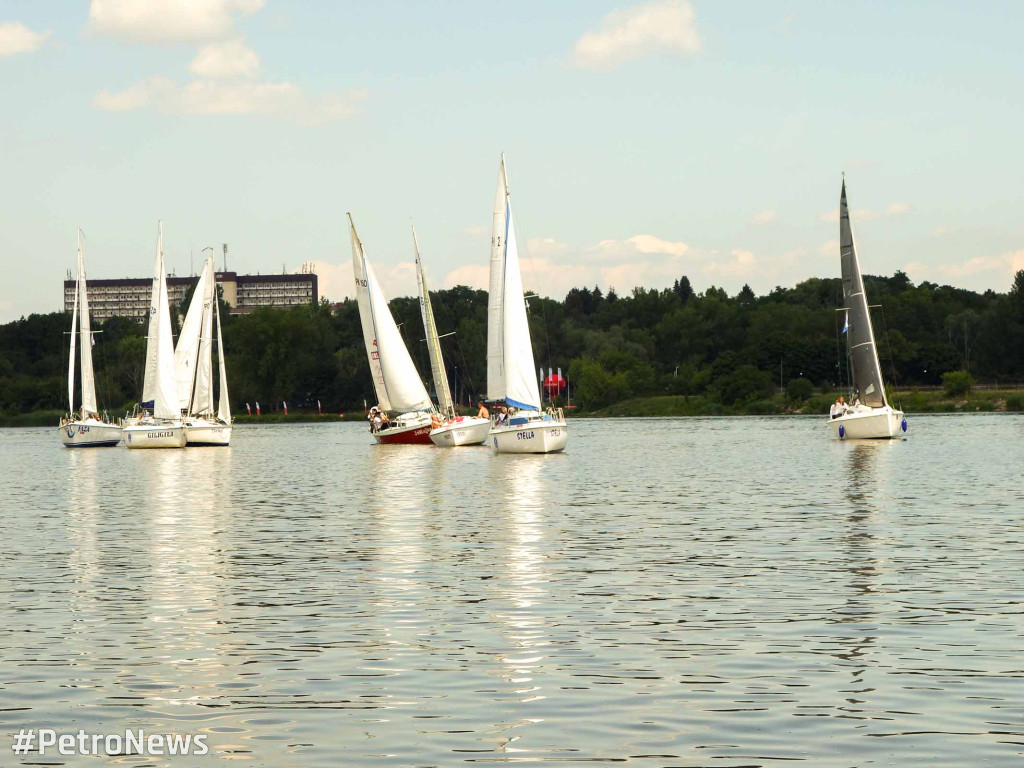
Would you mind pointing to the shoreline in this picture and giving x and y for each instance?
(914, 402)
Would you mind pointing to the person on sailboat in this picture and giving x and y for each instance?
(483, 413)
(835, 411)
(435, 421)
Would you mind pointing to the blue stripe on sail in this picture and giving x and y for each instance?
(524, 406)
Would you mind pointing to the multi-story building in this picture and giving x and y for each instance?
(129, 297)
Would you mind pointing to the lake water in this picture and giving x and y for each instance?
(713, 592)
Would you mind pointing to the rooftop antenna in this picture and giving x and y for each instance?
(225, 247)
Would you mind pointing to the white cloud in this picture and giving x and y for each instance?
(765, 217)
(334, 281)
(210, 97)
(167, 21)
(666, 25)
(1007, 263)
(741, 265)
(473, 275)
(229, 59)
(337, 281)
(866, 214)
(16, 38)
(829, 249)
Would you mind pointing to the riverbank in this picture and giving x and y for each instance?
(914, 401)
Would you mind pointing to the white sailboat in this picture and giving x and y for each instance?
(870, 415)
(510, 363)
(160, 425)
(455, 429)
(203, 425)
(85, 428)
(400, 391)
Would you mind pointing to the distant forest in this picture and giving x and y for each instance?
(727, 349)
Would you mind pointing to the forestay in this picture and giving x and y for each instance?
(186, 351)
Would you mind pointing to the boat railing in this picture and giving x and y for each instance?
(556, 414)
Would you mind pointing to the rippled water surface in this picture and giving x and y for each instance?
(722, 592)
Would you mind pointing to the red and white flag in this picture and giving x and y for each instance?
(285, 407)
(257, 407)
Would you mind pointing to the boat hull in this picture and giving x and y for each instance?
(207, 433)
(89, 434)
(461, 431)
(535, 436)
(416, 432)
(155, 436)
(869, 424)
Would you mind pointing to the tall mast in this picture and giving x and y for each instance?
(444, 397)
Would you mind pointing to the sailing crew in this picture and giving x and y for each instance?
(483, 413)
(836, 410)
(435, 421)
(502, 416)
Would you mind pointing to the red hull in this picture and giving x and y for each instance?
(417, 435)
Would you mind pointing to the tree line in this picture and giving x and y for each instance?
(675, 341)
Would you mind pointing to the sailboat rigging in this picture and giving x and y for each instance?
(869, 415)
(85, 428)
(510, 361)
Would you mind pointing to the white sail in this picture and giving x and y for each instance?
(398, 385)
(85, 341)
(510, 363)
(224, 404)
(164, 384)
(149, 379)
(202, 396)
(521, 388)
(186, 351)
(74, 324)
(860, 337)
(495, 291)
(444, 395)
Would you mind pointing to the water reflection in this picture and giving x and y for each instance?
(523, 590)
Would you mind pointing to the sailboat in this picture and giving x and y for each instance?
(510, 364)
(193, 363)
(455, 429)
(870, 415)
(86, 428)
(400, 392)
(160, 425)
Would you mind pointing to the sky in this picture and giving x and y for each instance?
(644, 140)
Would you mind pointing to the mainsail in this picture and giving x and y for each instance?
(444, 395)
(202, 395)
(223, 404)
(159, 389)
(398, 385)
(510, 363)
(85, 341)
(186, 352)
(81, 337)
(860, 338)
(74, 324)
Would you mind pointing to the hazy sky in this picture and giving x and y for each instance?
(644, 140)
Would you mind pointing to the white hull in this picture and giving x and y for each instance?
(535, 436)
(155, 435)
(464, 431)
(89, 434)
(869, 423)
(202, 432)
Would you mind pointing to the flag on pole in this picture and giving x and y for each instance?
(257, 407)
(248, 410)
(318, 409)
(285, 407)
